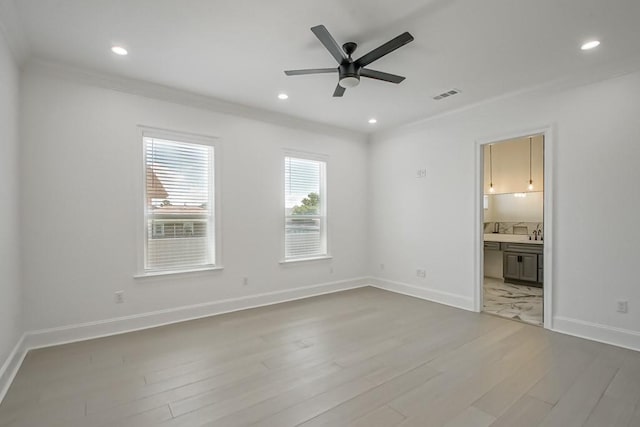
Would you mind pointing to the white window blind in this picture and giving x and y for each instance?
(305, 208)
(179, 205)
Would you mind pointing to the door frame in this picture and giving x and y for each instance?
(548, 132)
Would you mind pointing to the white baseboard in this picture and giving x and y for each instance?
(90, 330)
(10, 366)
(597, 332)
(428, 294)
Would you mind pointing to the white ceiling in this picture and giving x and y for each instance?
(237, 50)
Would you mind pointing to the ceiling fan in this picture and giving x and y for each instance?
(350, 71)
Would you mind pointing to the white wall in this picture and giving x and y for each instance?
(430, 222)
(81, 165)
(10, 290)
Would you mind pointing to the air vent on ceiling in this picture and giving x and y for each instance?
(446, 94)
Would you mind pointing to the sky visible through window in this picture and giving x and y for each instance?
(182, 169)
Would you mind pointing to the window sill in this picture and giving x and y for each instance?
(174, 272)
(316, 258)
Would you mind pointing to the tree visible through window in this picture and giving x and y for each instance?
(309, 205)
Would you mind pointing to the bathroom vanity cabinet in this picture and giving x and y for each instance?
(520, 263)
(522, 260)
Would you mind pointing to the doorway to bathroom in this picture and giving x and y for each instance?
(513, 229)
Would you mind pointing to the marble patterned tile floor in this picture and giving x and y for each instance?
(517, 302)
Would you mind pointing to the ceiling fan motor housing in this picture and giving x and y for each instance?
(349, 75)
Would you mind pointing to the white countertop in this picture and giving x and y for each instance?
(511, 238)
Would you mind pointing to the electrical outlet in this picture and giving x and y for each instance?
(421, 173)
(381, 266)
(119, 297)
(623, 306)
(245, 281)
(421, 273)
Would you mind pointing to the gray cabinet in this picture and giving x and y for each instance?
(521, 263)
(529, 267)
(494, 246)
(511, 266)
(540, 268)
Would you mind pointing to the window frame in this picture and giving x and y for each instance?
(141, 241)
(324, 207)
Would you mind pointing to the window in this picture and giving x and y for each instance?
(179, 205)
(305, 232)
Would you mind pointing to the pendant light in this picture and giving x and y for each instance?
(491, 189)
(530, 180)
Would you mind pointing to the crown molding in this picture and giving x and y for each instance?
(178, 96)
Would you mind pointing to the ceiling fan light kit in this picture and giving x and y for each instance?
(349, 81)
(350, 71)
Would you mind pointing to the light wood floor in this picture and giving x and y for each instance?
(364, 358)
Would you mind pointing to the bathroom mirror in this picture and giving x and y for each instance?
(514, 207)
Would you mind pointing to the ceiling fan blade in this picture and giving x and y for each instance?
(339, 91)
(379, 75)
(384, 49)
(310, 71)
(329, 42)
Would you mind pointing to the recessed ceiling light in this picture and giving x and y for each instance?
(119, 50)
(590, 45)
(283, 96)
(373, 121)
